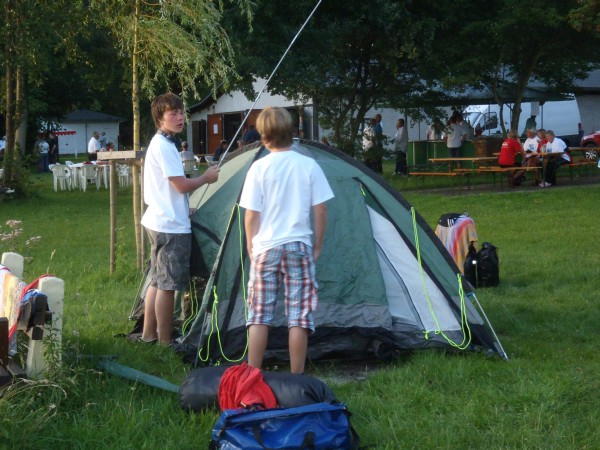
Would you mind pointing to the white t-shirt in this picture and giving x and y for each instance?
(43, 147)
(558, 146)
(456, 132)
(283, 187)
(93, 145)
(531, 145)
(368, 138)
(401, 140)
(168, 210)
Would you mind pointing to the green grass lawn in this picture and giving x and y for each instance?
(546, 312)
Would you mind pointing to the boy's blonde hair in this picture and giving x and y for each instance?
(162, 103)
(275, 127)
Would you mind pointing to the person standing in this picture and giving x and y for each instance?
(434, 131)
(369, 145)
(167, 218)
(455, 136)
(43, 148)
(103, 140)
(53, 156)
(93, 147)
(400, 147)
(279, 193)
(251, 135)
(378, 132)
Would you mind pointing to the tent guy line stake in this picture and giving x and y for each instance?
(245, 119)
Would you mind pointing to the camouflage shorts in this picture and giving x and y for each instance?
(170, 260)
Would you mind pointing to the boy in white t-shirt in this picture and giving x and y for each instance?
(167, 218)
(279, 192)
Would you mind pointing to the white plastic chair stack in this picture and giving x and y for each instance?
(124, 175)
(88, 173)
(62, 177)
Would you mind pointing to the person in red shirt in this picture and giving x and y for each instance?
(511, 147)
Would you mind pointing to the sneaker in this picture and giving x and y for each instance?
(545, 184)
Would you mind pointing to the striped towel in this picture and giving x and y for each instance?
(11, 290)
(457, 238)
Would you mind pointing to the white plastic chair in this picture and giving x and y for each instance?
(103, 172)
(87, 173)
(189, 167)
(62, 177)
(124, 175)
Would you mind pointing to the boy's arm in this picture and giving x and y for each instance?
(251, 225)
(320, 223)
(184, 185)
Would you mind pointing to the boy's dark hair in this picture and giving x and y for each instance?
(275, 127)
(162, 103)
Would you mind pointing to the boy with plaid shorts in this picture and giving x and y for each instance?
(279, 192)
(167, 218)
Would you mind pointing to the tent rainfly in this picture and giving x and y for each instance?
(386, 282)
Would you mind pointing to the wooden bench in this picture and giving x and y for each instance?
(41, 327)
(582, 157)
(451, 175)
(436, 174)
(507, 170)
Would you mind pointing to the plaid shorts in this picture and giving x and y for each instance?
(293, 264)
(170, 260)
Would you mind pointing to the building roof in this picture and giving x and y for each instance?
(591, 83)
(211, 98)
(85, 115)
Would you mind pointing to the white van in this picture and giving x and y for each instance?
(561, 117)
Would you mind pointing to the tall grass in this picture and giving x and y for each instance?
(545, 311)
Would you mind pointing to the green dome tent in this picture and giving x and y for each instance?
(385, 280)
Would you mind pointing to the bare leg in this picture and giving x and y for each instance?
(149, 331)
(163, 308)
(298, 342)
(258, 335)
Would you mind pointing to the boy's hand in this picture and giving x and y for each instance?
(212, 174)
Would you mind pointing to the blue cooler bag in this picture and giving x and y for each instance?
(317, 427)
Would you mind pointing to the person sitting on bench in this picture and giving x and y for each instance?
(511, 147)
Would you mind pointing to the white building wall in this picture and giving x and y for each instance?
(589, 109)
(77, 143)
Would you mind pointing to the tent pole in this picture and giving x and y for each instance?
(489, 324)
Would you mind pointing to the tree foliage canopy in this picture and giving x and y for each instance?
(353, 57)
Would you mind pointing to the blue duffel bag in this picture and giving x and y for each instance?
(318, 426)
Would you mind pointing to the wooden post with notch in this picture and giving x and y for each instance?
(132, 158)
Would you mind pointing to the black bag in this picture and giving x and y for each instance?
(470, 268)
(449, 219)
(199, 390)
(488, 266)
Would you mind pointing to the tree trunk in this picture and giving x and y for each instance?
(136, 142)
(9, 152)
(22, 115)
